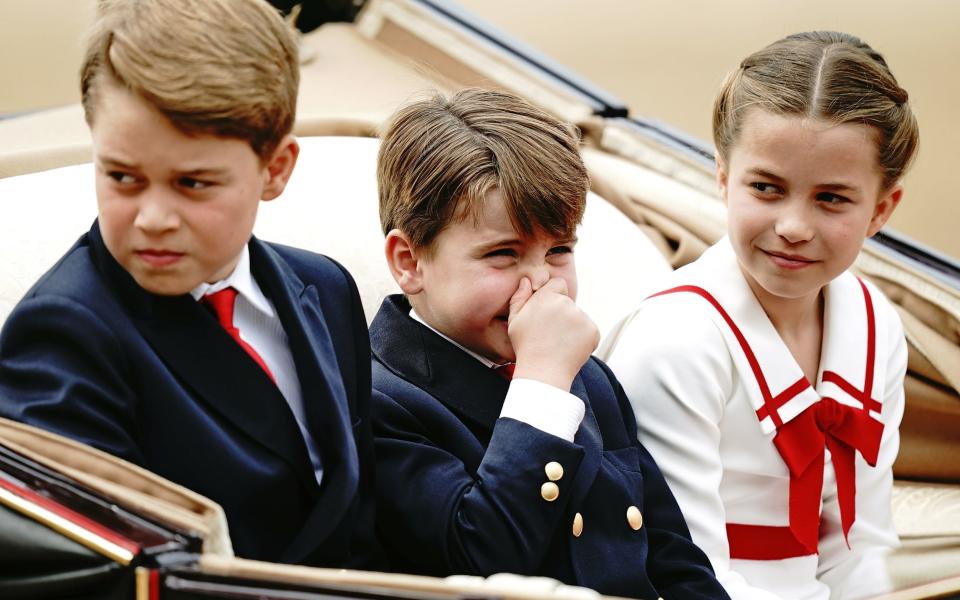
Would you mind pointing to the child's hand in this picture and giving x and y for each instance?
(551, 337)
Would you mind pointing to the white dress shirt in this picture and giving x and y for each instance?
(256, 319)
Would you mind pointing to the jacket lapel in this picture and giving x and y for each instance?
(460, 382)
(324, 396)
(209, 362)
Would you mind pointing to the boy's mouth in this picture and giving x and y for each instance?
(158, 258)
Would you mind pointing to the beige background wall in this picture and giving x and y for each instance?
(663, 59)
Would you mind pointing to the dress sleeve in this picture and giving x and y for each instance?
(676, 371)
(64, 370)
(860, 570)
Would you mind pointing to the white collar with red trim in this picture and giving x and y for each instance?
(843, 360)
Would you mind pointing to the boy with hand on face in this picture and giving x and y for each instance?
(168, 335)
(502, 445)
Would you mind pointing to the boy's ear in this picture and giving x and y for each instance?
(721, 177)
(279, 167)
(404, 263)
(886, 204)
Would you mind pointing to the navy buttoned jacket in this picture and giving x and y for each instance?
(459, 488)
(155, 380)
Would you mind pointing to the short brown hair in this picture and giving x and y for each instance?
(223, 67)
(825, 75)
(441, 156)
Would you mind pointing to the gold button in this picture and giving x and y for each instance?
(554, 471)
(577, 525)
(634, 518)
(549, 491)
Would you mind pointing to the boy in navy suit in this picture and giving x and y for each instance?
(480, 197)
(168, 335)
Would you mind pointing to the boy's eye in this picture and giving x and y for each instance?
(502, 252)
(766, 188)
(560, 250)
(121, 177)
(193, 184)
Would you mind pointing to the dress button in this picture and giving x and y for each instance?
(554, 471)
(634, 518)
(577, 525)
(549, 491)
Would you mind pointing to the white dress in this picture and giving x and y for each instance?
(724, 409)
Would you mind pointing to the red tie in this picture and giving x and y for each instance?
(505, 370)
(222, 304)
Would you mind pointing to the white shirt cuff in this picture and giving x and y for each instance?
(544, 406)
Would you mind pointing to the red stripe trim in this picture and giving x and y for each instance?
(764, 542)
(770, 404)
(72, 516)
(871, 343)
(783, 397)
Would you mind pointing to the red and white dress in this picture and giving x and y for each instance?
(785, 486)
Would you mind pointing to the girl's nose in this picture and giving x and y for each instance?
(794, 224)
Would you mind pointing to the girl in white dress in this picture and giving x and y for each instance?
(767, 379)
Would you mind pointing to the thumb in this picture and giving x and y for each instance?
(519, 298)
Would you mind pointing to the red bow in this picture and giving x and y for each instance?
(801, 443)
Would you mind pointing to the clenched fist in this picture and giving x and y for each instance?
(551, 337)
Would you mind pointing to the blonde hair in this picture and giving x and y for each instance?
(824, 75)
(223, 67)
(440, 157)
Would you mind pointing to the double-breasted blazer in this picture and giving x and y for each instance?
(155, 380)
(462, 490)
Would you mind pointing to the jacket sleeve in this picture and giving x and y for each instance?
(64, 370)
(677, 376)
(861, 570)
(446, 506)
(677, 567)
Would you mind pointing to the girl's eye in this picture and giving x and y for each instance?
(501, 252)
(765, 188)
(121, 177)
(193, 184)
(561, 250)
(831, 198)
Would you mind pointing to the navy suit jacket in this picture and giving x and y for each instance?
(459, 489)
(91, 355)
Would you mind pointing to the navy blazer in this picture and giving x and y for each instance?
(459, 489)
(91, 355)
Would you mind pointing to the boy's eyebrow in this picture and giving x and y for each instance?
(114, 162)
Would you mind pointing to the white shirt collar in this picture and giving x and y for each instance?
(241, 279)
(483, 360)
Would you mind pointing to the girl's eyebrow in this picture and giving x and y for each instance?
(833, 187)
(764, 173)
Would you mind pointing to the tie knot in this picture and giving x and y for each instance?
(505, 370)
(222, 304)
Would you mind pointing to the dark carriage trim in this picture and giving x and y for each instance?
(156, 544)
(602, 102)
(919, 256)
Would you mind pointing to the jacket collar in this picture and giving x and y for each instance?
(208, 361)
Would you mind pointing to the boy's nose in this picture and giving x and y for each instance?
(155, 215)
(539, 275)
